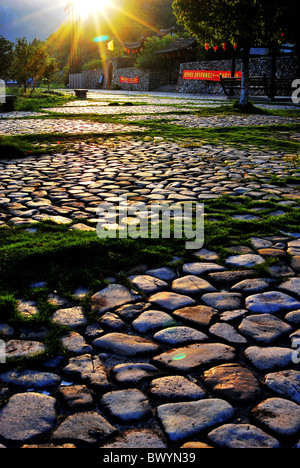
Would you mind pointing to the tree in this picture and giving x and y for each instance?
(50, 70)
(245, 22)
(32, 63)
(6, 58)
(147, 59)
(22, 56)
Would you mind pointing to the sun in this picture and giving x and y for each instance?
(85, 8)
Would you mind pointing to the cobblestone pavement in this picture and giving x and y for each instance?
(205, 355)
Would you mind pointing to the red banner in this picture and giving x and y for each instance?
(209, 75)
(136, 80)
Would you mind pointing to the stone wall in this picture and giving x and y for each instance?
(286, 68)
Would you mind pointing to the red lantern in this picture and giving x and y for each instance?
(225, 46)
(215, 48)
(206, 46)
(235, 46)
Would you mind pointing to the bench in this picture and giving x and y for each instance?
(9, 104)
(81, 93)
(256, 83)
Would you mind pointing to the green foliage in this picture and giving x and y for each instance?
(148, 59)
(94, 64)
(6, 57)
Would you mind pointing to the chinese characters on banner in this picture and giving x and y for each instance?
(209, 75)
(123, 79)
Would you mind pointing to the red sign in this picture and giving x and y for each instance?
(209, 75)
(123, 79)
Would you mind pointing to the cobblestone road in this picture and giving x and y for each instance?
(205, 355)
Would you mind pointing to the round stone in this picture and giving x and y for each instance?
(72, 318)
(127, 405)
(228, 333)
(125, 345)
(26, 416)
(111, 297)
(175, 388)
(182, 420)
(278, 415)
(285, 383)
(269, 358)
(195, 356)
(84, 427)
(175, 336)
(148, 284)
(264, 328)
(241, 436)
(133, 373)
(136, 439)
(223, 300)
(171, 301)
(271, 302)
(244, 261)
(152, 320)
(234, 383)
(198, 316)
(191, 285)
(23, 348)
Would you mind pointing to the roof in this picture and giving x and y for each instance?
(178, 45)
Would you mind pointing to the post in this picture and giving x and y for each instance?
(2, 92)
(245, 78)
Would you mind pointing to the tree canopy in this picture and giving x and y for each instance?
(249, 23)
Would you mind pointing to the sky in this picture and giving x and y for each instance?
(31, 18)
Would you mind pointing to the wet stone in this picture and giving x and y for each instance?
(182, 420)
(263, 328)
(234, 383)
(176, 388)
